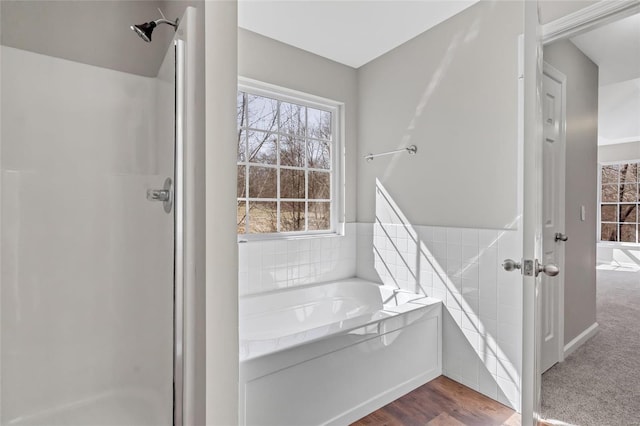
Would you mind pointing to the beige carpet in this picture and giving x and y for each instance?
(599, 384)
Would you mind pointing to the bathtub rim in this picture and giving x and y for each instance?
(345, 326)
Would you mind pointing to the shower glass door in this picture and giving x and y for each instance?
(86, 261)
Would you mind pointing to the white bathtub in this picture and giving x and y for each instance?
(333, 352)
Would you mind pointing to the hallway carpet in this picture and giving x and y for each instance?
(599, 384)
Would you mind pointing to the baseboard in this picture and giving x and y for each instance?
(383, 399)
(580, 339)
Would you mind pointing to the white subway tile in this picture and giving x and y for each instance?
(509, 334)
(488, 330)
(469, 370)
(509, 292)
(470, 304)
(508, 314)
(487, 238)
(487, 383)
(471, 272)
(473, 339)
(508, 393)
(470, 237)
(509, 246)
(454, 268)
(243, 283)
(455, 313)
(425, 233)
(454, 252)
(439, 293)
(470, 254)
(508, 351)
(488, 267)
(439, 235)
(470, 322)
(254, 251)
(506, 370)
(488, 307)
(454, 236)
(489, 364)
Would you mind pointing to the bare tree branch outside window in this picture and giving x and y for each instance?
(619, 202)
(284, 166)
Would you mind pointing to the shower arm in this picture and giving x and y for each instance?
(166, 21)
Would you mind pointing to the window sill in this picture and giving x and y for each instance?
(271, 237)
(615, 244)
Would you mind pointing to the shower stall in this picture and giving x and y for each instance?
(92, 224)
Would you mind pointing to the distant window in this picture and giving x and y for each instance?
(619, 202)
(286, 180)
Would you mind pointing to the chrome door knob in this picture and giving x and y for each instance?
(549, 269)
(510, 265)
(561, 237)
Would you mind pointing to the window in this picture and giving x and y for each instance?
(286, 163)
(619, 202)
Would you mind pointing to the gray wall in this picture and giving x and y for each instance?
(629, 151)
(90, 32)
(581, 184)
(452, 91)
(270, 61)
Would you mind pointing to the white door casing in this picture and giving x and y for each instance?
(589, 17)
(531, 172)
(554, 145)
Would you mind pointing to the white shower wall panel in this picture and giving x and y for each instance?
(86, 259)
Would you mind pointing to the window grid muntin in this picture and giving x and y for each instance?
(334, 130)
(618, 204)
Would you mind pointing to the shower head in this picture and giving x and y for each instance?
(145, 30)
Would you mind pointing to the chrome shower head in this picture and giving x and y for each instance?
(145, 30)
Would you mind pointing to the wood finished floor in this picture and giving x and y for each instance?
(442, 402)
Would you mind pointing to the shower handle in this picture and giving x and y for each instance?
(158, 195)
(165, 195)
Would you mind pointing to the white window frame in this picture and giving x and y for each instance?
(599, 212)
(336, 109)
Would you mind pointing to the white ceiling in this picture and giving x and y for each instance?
(350, 32)
(615, 48)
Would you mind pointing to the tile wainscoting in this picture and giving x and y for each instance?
(482, 317)
(272, 264)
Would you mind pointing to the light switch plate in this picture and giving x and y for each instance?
(583, 213)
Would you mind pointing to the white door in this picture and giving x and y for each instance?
(553, 153)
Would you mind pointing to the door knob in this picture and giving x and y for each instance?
(561, 237)
(550, 269)
(510, 265)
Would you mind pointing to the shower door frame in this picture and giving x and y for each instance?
(179, 235)
(188, 344)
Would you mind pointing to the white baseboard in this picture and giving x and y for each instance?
(580, 339)
(384, 398)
